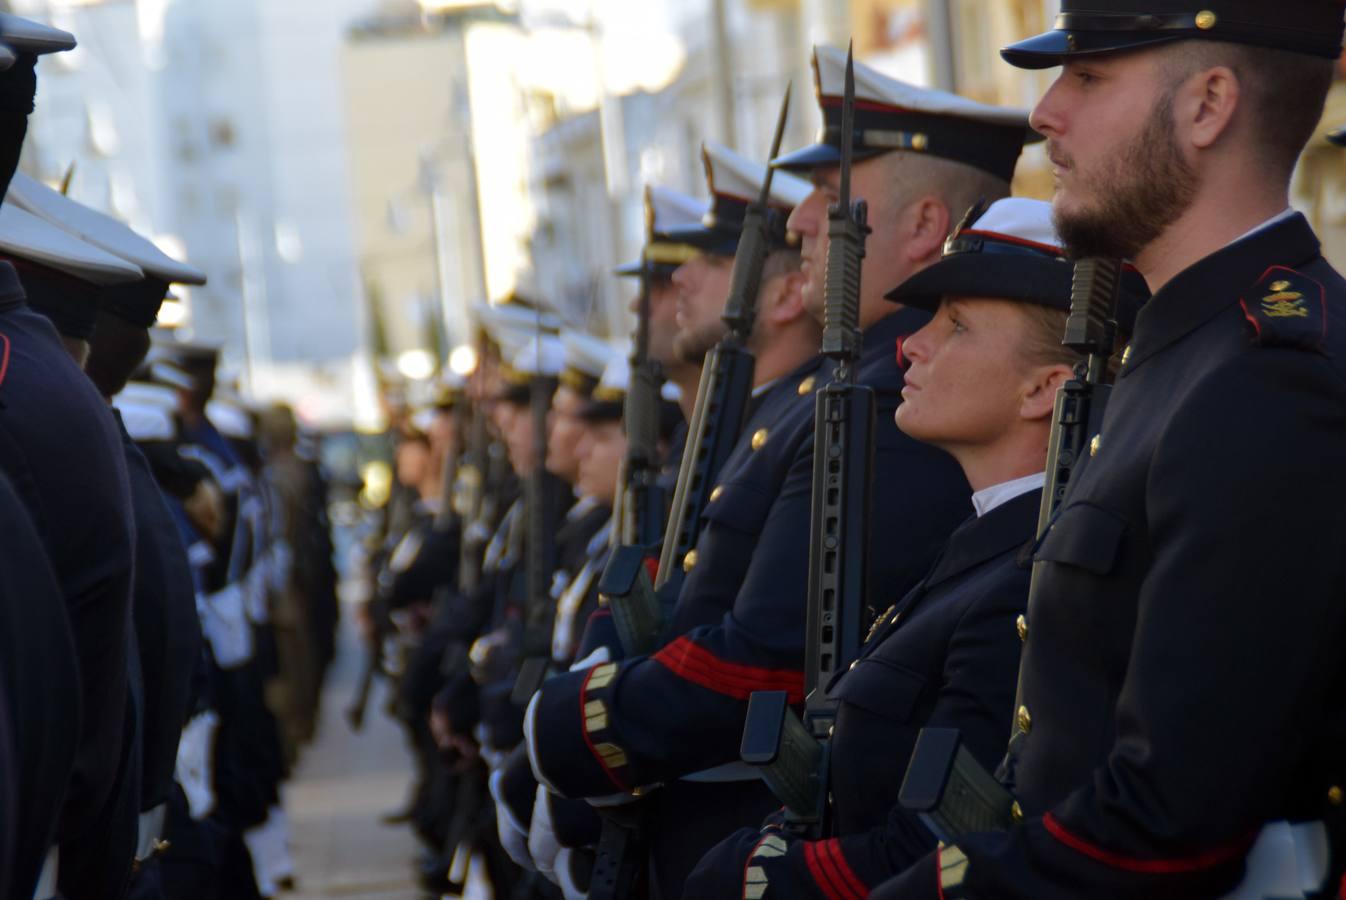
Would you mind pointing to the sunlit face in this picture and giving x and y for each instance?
(663, 319)
(601, 451)
(968, 374)
(1121, 178)
(564, 429)
(883, 269)
(443, 433)
(702, 284)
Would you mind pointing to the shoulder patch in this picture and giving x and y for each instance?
(1287, 309)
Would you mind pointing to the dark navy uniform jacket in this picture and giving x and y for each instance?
(39, 678)
(60, 447)
(946, 656)
(704, 677)
(168, 631)
(1183, 672)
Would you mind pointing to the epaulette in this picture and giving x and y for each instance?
(1287, 309)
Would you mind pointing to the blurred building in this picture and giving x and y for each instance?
(408, 122)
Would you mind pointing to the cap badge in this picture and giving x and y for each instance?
(1205, 20)
(1284, 303)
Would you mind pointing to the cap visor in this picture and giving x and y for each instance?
(1338, 137)
(1042, 281)
(628, 270)
(1052, 48)
(709, 240)
(808, 158)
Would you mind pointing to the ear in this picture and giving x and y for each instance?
(1039, 399)
(1206, 105)
(783, 298)
(925, 226)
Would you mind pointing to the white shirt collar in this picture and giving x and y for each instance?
(1274, 220)
(989, 498)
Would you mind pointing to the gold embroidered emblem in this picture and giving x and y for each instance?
(1283, 303)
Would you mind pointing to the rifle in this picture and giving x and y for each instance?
(945, 785)
(793, 755)
(722, 400)
(471, 482)
(642, 522)
(372, 665)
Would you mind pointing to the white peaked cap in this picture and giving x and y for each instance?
(232, 422)
(26, 237)
(505, 316)
(423, 420)
(586, 353)
(541, 354)
(732, 174)
(671, 209)
(872, 85)
(616, 377)
(146, 421)
(1023, 220)
(98, 229)
(670, 392)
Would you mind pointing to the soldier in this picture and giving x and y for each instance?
(665, 211)
(965, 148)
(1137, 768)
(168, 633)
(59, 446)
(981, 383)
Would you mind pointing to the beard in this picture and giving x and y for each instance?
(1143, 190)
(690, 345)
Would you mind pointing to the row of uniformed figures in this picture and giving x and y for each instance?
(1179, 732)
(167, 594)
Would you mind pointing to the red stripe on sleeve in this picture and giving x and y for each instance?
(688, 660)
(820, 875)
(1206, 860)
(832, 848)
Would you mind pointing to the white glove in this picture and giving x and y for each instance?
(542, 843)
(195, 763)
(513, 834)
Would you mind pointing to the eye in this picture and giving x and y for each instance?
(1085, 78)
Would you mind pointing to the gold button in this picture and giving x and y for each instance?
(1095, 445)
(1205, 20)
(759, 438)
(1126, 355)
(689, 561)
(1335, 795)
(1024, 720)
(716, 494)
(1016, 812)
(1022, 625)
(806, 386)
(919, 141)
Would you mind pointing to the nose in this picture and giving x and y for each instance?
(916, 348)
(681, 277)
(803, 219)
(1046, 116)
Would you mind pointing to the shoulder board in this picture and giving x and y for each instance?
(1287, 309)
